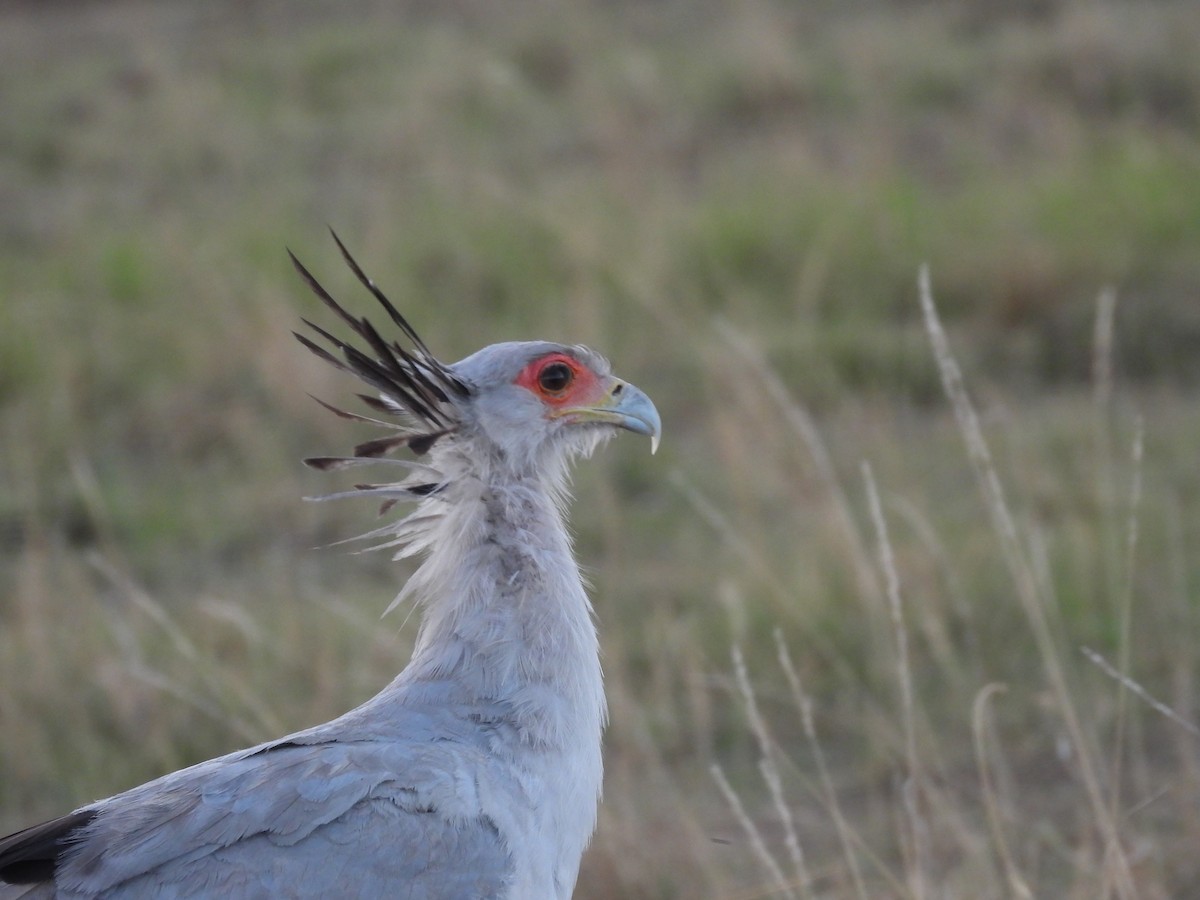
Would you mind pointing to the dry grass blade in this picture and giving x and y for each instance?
(1102, 347)
(218, 682)
(1134, 688)
(752, 832)
(770, 772)
(845, 833)
(1012, 874)
(1026, 581)
(1125, 611)
(720, 523)
(914, 787)
(801, 422)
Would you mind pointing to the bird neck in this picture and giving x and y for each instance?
(507, 620)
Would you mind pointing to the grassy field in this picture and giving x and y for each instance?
(732, 201)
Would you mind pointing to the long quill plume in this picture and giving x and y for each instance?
(412, 383)
(414, 387)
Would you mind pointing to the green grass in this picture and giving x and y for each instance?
(732, 203)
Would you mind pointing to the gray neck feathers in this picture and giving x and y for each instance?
(506, 620)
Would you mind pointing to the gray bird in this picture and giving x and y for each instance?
(476, 773)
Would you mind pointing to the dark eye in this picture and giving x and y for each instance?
(555, 378)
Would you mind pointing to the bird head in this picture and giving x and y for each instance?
(525, 406)
(533, 401)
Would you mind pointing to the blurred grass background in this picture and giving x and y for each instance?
(732, 202)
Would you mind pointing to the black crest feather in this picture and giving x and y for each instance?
(413, 382)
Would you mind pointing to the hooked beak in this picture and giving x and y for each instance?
(624, 406)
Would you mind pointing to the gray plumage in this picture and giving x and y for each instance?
(476, 773)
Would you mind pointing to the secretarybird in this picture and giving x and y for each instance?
(476, 772)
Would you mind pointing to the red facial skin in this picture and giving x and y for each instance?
(582, 389)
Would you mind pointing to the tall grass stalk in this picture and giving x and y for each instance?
(802, 424)
(758, 845)
(991, 799)
(913, 788)
(216, 681)
(1033, 603)
(1136, 689)
(847, 840)
(1125, 615)
(770, 771)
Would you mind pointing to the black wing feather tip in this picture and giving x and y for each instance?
(31, 856)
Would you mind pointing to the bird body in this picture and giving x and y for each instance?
(476, 773)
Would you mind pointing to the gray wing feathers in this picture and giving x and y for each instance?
(332, 862)
(358, 819)
(27, 891)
